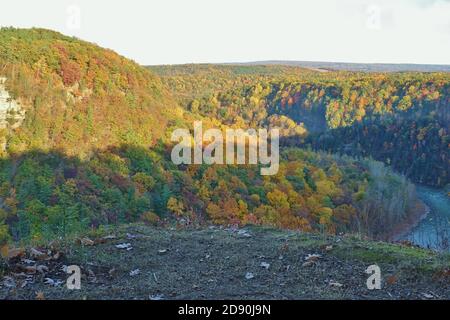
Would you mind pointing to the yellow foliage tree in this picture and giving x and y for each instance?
(175, 206)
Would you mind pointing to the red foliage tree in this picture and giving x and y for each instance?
(70, 72)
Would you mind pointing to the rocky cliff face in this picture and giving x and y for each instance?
(11, 113)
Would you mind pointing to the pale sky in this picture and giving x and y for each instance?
(198, 31)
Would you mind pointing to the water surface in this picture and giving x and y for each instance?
(433, 231)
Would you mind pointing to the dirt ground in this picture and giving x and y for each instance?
(225, 263)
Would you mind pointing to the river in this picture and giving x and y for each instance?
(433, 231)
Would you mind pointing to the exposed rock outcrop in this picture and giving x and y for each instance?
(11, 113)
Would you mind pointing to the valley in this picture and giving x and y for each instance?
(89, 156)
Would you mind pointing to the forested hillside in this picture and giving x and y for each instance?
(93, 147)
(78, 96)
(401, 119)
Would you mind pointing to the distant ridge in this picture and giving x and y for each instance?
(363, 67)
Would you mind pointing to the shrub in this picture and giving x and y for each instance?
(150, 218)
(4, 234)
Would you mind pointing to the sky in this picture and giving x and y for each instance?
(155, 32)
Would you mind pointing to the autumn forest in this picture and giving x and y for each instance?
(87, 144)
